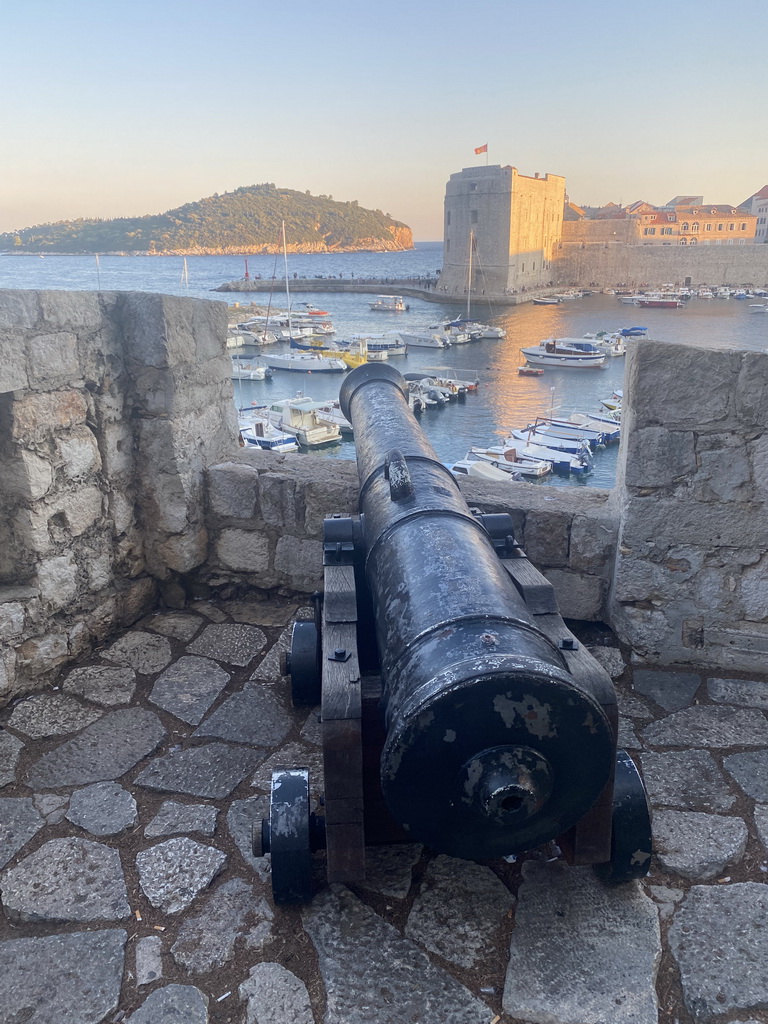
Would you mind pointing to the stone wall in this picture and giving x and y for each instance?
(266, 517)
(614, 263)
(104, 403)
(123, 486)
(691, 577)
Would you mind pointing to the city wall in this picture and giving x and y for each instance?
(612, 263)
(124, 487)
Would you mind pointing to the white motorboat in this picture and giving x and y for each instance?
(451, 330)
(257, 432)
(244, 369)
(483, 471)
(390, 343)
(612, 344)
(424, 339)
(705, 293)
(569, 430)
(299, 416)
(758, 307)
(389, 304)
(546, 300)
(508, 460)
(330, 412)
(305, 362)
(569, 445)
(561, 462)
(565, 352)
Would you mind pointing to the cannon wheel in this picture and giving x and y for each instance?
(631, 841)
(303, 664)
(289, 836)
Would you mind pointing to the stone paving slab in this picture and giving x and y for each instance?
(188, 687)
(100, 753)
(102, 685)
(720, 942)
(66, 880)
(581, 951)
(671, 690)
(370, 972)
(51, 714)
(414, 942)
(69, 979)
(213, 770)
(232, 643)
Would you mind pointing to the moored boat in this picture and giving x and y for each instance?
(257, 432)
(306, 362)
(563, 352)
(299, 416)
(509, 461)
(424, 339)
(389, 304)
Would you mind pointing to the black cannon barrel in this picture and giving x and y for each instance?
(491, 748)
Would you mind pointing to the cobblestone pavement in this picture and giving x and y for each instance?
(130, 893)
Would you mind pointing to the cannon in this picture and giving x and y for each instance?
(457, 709)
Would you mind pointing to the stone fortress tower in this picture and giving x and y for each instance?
(514, 222)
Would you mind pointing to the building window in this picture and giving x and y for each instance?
(719, 227)
(534, 265)
(670, 216)
(692, 241)
(447, 245)
(666, 231)
(683, 241)
(523, 268)
(708, 227)
(448, 219)
(649, 231)
(473, 186)
(742, 227)
(685, 227)
(731, 226)
(695, 226)
(742, 241)
(473, 216)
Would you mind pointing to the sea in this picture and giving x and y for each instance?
(503, 401)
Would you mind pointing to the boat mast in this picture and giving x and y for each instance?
(287, 288)
(469, 277)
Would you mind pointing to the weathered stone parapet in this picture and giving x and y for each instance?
(265, 516)
(111, 406)
(691, 574)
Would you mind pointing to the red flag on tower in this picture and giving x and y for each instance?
(482, 149)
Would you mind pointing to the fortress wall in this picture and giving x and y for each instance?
(690, 584)
(104, 399)
(123, 486)
(634, 265)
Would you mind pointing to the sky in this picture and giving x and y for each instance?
(113, 110)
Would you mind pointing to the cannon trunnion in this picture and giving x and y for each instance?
(457, 709)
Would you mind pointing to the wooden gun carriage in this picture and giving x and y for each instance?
(457, 709)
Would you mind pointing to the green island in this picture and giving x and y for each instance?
(248, 220)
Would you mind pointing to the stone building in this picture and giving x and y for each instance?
(757, 204)
(513, 222)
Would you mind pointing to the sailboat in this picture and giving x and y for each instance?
(468, 322)
(296, 360)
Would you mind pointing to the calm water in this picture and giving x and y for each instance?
(504, 400)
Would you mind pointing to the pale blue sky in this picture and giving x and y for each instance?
(124, 109)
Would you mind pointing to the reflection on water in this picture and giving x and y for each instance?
(504, 400)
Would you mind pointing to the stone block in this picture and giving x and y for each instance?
(579, 596)
(53, 359)
(638, 579)
(19, 310)
(37, 416)
(593, 544)
(135, 599)
(11, 620)
(13, 363)
(724, 472)
(28, 477)
(57, 580)
(754, 591)
(244, 550)
(658, 457)
(712, 524)
(80, 509)
(117, 447)
(751, 396)
(183, 552)
(680, 386)
(335, 492)
(233, 490)
(301, 561)
(547, 537)
(79, 452)
(39, 656)
(281, 501)
(758, 455)
(71, 311)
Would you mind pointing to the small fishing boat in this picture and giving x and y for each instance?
(482, 471)
(299, 416)
(546, 300)
(306, 362)
(390, 343)
(565, 352)
(244, 369)
(508, 460)
(389, 304)
(257, 432)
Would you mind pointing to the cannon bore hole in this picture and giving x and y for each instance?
(511, 803)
